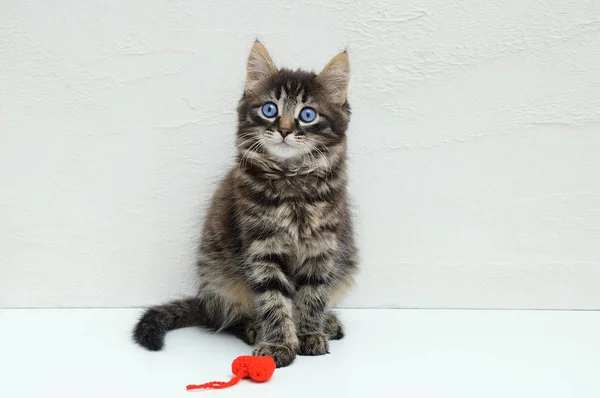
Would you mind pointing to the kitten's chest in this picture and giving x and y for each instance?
(305, 226)
(304, 220)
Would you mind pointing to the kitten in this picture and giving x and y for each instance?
(277, 247)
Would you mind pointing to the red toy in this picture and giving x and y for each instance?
(257, 368)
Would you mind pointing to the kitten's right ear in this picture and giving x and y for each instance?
(260, 66)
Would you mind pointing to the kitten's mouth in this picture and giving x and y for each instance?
(283, 150)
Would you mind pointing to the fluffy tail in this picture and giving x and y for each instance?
(154, 324)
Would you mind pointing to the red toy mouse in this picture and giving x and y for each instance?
(257, 368)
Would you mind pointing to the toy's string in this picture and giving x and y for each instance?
(214, 384)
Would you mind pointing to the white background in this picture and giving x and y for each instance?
(475, 144)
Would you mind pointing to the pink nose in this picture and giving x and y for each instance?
(284, 131)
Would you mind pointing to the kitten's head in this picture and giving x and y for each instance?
(290, 116)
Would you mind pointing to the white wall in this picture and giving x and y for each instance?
(475, 144)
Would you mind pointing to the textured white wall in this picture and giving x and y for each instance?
(475, 144)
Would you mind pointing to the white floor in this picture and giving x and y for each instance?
(387, 353)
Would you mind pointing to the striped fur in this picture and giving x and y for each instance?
(277, 246)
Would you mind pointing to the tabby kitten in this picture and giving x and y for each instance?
(277, 247)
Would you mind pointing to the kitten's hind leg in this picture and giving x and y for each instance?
(246, 330)
(333, 327)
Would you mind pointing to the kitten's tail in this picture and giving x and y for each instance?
(156, 321)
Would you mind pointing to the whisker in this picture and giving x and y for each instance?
(242, 163)
(245, 142)
(307, 151)
(328, 165)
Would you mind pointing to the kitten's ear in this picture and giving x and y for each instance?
(335, 77)
(260, 66)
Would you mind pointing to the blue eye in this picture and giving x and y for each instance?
(307, 115)
(269, 109)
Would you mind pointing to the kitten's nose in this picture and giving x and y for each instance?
(284, 131)
(286, 123)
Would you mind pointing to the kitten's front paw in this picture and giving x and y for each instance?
(333, 327)
(282, 354)
(313, 344)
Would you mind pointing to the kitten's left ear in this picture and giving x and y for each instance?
(260, 66)
(334, 78)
